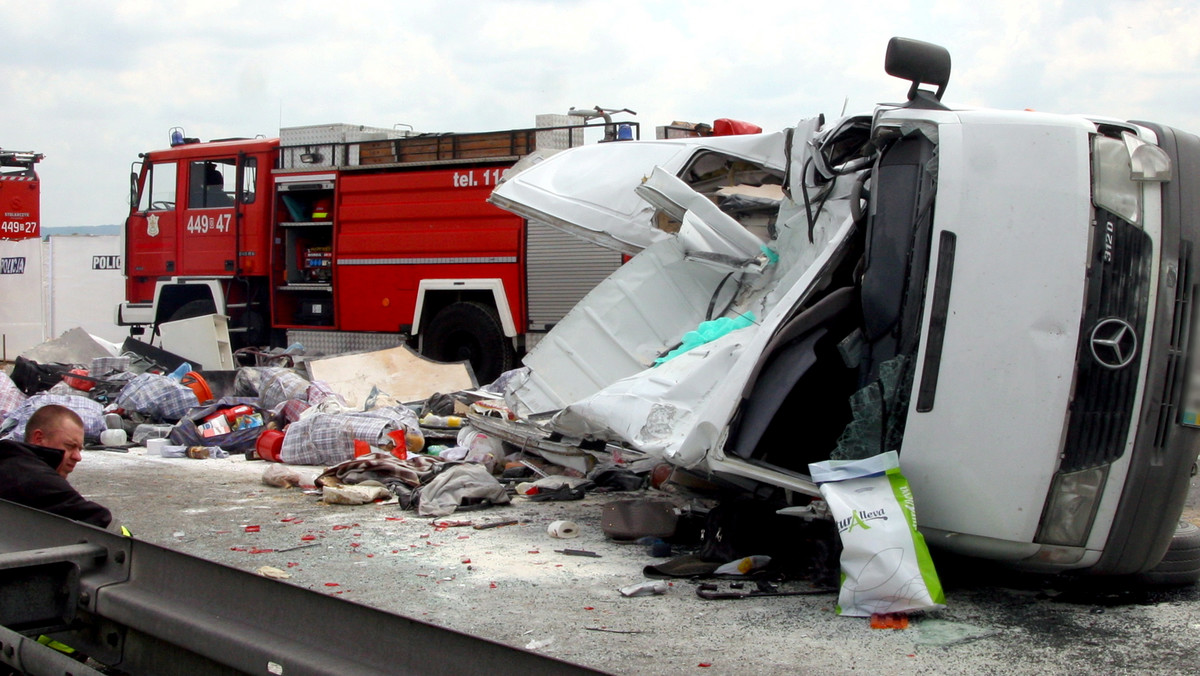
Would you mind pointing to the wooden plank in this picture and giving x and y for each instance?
(376, 152)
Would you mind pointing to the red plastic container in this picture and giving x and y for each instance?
(198, 385)
(269, 444)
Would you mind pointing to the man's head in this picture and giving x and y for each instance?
(58, 427)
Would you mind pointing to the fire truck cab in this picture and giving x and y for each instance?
(19, 195)
(348, 237)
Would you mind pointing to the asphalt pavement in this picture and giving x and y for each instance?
(512, 585)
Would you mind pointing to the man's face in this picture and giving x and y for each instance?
(66, 436)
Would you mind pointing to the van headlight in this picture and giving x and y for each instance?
(1120, 167)
(1071, 507)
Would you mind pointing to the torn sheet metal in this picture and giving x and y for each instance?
(705, 231)
(589, 190)
(680, 409)
(643, 310)
(536, 439)
(630, 319)
(72, 347)
(398, 372)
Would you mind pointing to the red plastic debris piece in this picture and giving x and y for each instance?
(534, 551)
(341, 527)
(79, 383)
(393, 518)
(307, 537)
(355, 544)
(704, 664)
(237, 549)
(253, 529)
(588, 608)
(466, 560)
(332, 584)
(889, 621)
(292, 564)
(492, 585)
(256, 550)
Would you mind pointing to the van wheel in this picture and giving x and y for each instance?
(1181, 564)
(472, 332)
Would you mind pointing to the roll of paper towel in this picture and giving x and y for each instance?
(563, 529)
(155, 446)
(113, 437)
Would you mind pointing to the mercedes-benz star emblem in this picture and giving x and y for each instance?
(1114, 343)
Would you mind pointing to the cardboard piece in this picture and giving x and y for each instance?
(399, 372)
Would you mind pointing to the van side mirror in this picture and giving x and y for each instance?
(920, 63)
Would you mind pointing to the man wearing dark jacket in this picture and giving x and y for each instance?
(34, 472)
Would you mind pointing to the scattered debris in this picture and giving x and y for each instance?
(496, 524)
(538, 645)
(273, 572)
(563, 529)
(578, 552)
(649, 588)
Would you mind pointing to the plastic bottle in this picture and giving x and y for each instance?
(180, 372)
(431, 420)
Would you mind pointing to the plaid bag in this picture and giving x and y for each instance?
(10, 397)
(328, 438)
(280, 385)
(158, 397)
(105, 365)
(318, 440)
(319, 391)
(91, 412)
(186, 432)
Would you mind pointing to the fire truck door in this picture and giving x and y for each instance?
(208, 235)
(150, 230)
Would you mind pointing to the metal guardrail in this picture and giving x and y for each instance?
(144, 609)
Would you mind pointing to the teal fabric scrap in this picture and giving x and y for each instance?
(707, 332)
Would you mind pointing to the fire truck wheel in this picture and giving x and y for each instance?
(470, 331)
(195, 308)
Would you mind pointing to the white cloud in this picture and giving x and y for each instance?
(93, 84)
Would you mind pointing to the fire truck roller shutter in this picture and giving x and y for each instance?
(470, 331)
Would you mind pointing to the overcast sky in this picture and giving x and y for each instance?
(92, 84)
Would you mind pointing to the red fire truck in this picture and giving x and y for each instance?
(19, 195)
(347, 237)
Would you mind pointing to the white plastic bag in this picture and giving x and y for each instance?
(886, 566)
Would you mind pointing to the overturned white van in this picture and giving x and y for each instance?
(1005, 298)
